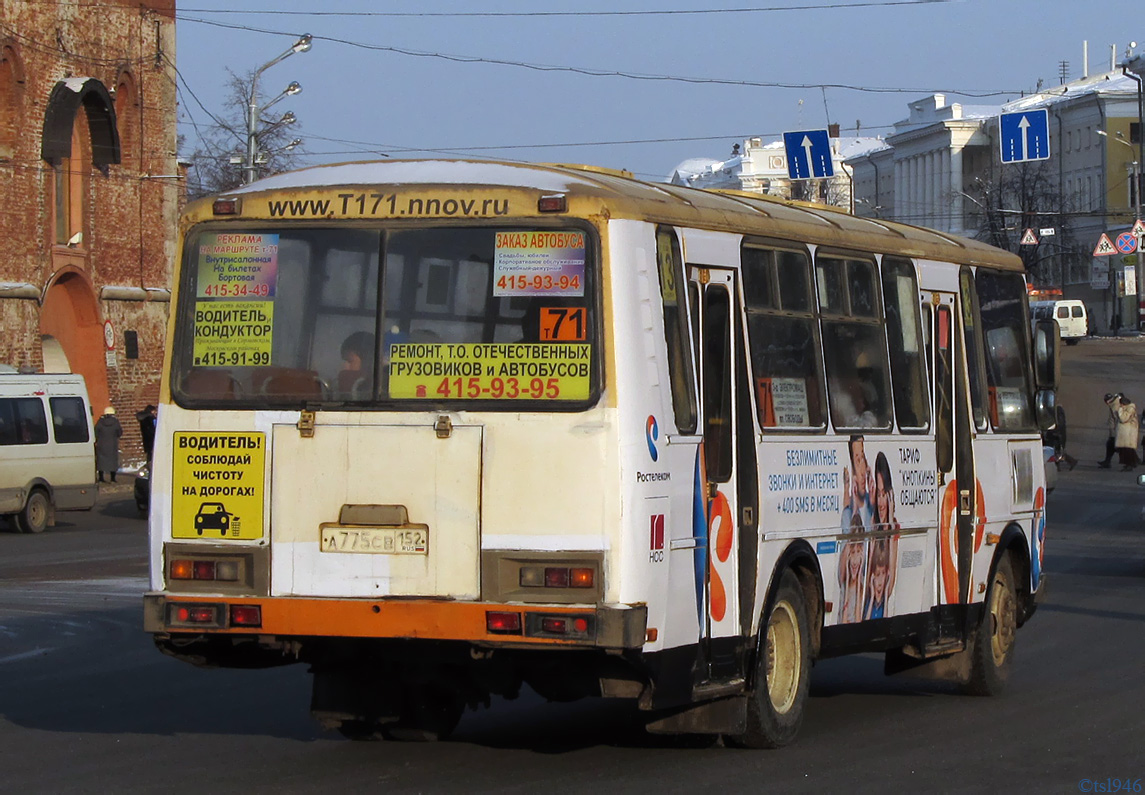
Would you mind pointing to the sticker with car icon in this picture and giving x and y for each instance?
(215, 516)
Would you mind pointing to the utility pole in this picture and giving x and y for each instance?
(1138, 225)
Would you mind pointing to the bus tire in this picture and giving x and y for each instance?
(992, 645)
(428, 713)
(361, 730)
(783, 671)
(36, 513)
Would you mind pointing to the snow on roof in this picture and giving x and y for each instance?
(1104, 83)
(857, 147)
(422, 172)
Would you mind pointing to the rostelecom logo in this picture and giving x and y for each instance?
(652, 433)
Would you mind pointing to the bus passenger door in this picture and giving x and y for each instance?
(954, 453)
(717, 342)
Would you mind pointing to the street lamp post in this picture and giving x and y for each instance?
(1135, 172)
(250, 168)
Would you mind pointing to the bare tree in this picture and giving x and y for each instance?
(218, 159)
(1010, 199)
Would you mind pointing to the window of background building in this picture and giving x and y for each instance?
(127, 118)
(11, 79)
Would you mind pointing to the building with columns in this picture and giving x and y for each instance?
(941, 169)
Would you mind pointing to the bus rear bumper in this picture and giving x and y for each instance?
(481, 623)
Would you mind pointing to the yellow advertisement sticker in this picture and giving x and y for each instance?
(217, 485)
(490, 371)
(233, 333)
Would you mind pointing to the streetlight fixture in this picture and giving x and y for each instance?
(250, 169)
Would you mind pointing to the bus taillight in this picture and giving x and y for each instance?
(194, 615)
(246, 616)
(503, 623)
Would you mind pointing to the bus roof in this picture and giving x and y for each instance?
(622, 196)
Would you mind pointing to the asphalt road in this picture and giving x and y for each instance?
(88, 705)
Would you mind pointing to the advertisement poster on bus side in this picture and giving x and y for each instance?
(539, 263)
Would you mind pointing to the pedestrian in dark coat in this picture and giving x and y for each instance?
(107, 433)
(147, 429)
(1112, 399)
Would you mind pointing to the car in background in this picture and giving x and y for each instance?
(1071, 316)
(143, 488)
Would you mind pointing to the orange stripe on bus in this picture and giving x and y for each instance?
(380, 619)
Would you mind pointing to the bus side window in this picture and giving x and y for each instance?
(681, 371)
(1001, 296)
(858, 381)
(908, 375)
(944, 389)
(782, 335)
(972, 330)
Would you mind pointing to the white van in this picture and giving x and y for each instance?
(1073, 320)
(47, 450)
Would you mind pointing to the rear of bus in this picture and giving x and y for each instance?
(384, 448)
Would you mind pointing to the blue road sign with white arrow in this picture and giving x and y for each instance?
(1024, 136)
(808, 154)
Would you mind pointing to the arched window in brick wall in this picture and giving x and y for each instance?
(69, 190)
(127, 118)
(79, 134)
(11, 99)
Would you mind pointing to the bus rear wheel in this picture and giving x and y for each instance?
(783, 671)
(992, 647)
(36, 514)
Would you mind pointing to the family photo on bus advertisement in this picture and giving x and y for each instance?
(867, 563)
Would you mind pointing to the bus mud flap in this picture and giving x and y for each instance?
(953, 667)
(722, 716)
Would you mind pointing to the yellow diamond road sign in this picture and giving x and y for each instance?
(1105, 247)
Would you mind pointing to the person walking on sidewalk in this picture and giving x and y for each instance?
(1111, 400)
(107, 433)
(1125, 441)
(1055, 437)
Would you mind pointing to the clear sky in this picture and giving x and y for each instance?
(426, 78)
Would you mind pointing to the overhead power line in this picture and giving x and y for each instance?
(520, 14)
(591, 72)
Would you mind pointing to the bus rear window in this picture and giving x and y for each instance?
(322, 317)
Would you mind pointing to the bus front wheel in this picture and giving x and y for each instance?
(783, 671)
(993, 642)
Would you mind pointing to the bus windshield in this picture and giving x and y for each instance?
(295, 317)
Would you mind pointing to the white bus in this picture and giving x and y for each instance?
(442, 429)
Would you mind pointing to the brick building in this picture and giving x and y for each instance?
(88, 194)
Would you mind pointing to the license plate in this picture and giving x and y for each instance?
(375, 540)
